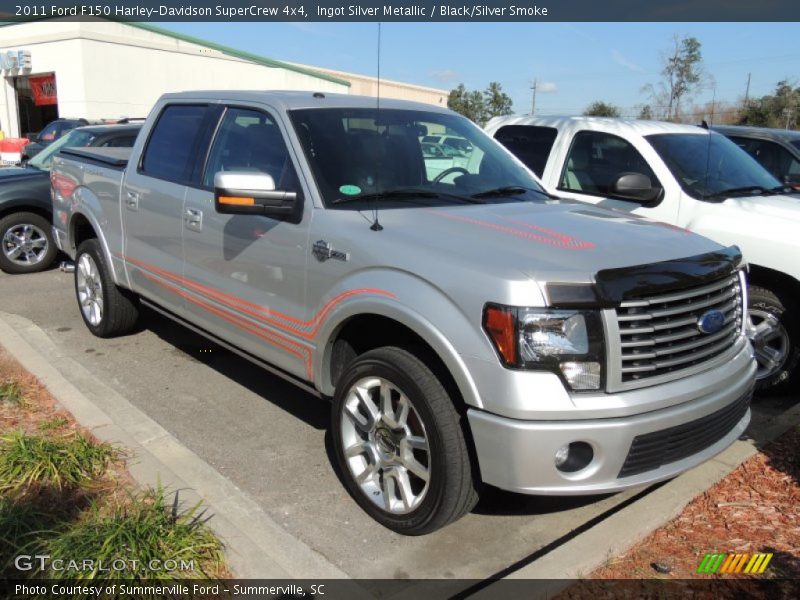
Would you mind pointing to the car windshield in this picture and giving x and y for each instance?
(710, 166)
(384, 155)
(73, 139)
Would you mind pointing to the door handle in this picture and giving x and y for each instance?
(194, 218)
(132, 200)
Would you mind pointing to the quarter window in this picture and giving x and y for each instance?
(250, 140)
(528, 143)
(596, 160)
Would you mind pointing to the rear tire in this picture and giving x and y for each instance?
(774, 333)
(399, 444)
(107, 309)
(26, 243)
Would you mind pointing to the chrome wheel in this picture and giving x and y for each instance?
(385, 445)
(25, 244)
(770, 342)
(90, 290)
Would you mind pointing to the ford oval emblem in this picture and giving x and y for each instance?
(711, 321)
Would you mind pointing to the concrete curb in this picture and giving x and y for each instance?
(257, 547)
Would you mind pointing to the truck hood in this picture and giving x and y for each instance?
(17, 173)
(780, 206)
(561, 241)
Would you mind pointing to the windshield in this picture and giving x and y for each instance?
(796, 144)
(711, 165)
(355, 153)
(73, 139)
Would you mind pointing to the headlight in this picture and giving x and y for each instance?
(567, 342)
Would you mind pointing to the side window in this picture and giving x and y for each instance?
(250, 140)
(170, 150)
(119, 142)
(774, 158)
(596, 160)
(528, 143)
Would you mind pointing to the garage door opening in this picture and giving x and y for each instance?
(37, 101)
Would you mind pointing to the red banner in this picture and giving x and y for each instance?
(44, 90)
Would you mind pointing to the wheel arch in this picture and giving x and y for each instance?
(83, 226)
(773, 280)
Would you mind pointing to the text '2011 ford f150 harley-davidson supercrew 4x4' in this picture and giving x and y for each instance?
(470, 328)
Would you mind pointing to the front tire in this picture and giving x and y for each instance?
(107, 310)
(773, 330)
(399, 444)
(26, 243)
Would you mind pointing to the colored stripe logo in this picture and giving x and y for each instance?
(735, 563)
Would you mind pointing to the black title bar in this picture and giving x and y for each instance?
(405, 10)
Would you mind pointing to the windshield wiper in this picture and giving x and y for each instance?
(737, 191)
(401, 193)
(511, 190)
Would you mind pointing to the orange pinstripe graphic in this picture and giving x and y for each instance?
(157, 276)
(259, 312)
(556, 239)
(273, 338)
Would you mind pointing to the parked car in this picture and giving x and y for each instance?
(53, 131)
(689, 177)
(778, 150)
(469, 329)
(25, 203)
(449, 141)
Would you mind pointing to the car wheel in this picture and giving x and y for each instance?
(26, 243)
(106, 309)
(399, 444)
(773, 331)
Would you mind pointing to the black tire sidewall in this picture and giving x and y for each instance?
(373, 365)
(19, 218)
(768, 301)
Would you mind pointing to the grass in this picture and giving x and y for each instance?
(32, 460)
(11, 392)
(52, 424)
(148, 530)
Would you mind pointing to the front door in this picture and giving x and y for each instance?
(245, 274)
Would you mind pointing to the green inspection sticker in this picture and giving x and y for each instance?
(350, 190)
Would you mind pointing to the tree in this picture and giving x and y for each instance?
(480, 106)
(498, 103)
(683, 76)
(646, 112)
(601, 109)
(469, 104)
(773, 110)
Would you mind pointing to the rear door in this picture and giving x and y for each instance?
(245, 274)
(152, 199)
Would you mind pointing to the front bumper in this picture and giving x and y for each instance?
(519, 455)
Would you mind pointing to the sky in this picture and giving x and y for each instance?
(574, 63)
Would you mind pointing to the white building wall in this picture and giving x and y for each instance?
(110, 70)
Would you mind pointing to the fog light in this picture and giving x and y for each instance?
(573, 457)
(582, 375)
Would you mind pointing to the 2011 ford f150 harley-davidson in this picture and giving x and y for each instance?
(469, 328)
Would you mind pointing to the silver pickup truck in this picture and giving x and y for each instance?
(469, 327)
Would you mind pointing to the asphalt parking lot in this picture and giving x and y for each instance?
(269, 439)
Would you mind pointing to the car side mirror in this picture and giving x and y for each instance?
(636, 187)
(245, 193)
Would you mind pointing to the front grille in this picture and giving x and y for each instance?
(652, 450)
(660, 334)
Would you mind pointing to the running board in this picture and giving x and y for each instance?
(246, 355)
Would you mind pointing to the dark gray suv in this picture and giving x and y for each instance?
(778, 150)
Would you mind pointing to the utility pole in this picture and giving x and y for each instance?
(747, 91)
(533, 99)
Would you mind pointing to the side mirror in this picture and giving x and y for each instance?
(244, 193)
(636, 187)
